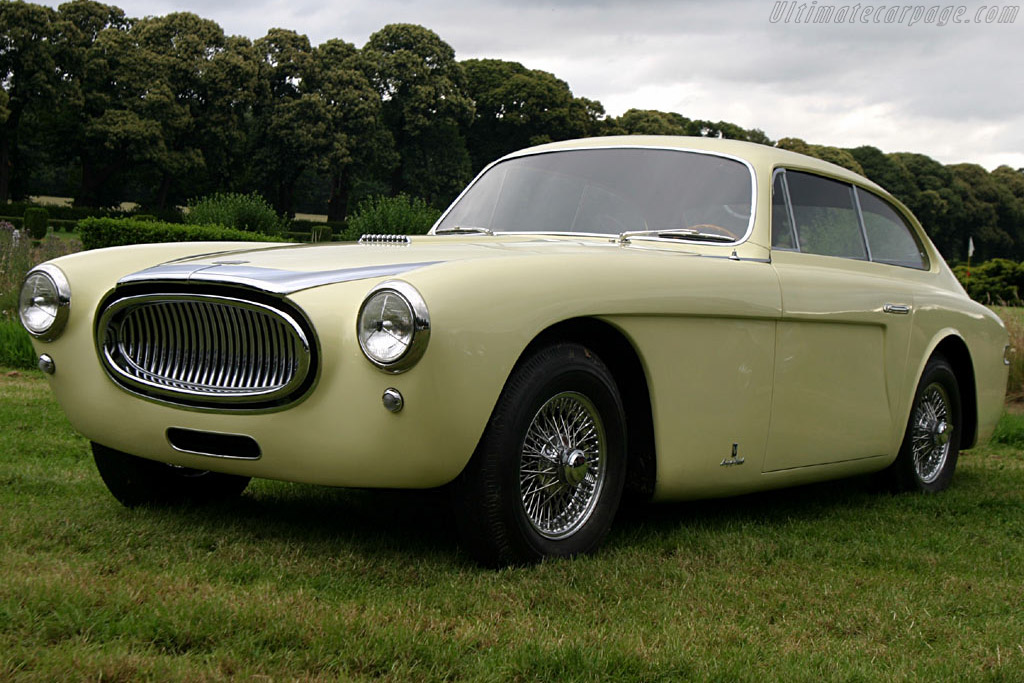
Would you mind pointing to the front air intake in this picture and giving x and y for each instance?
(206, 350)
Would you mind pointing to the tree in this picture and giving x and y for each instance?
(653, 122)
(885, 170)
(28, 77)
(360, 145)
(291, 127)
(834, 155)
(189, 95)
(516, 107)
(425, 107)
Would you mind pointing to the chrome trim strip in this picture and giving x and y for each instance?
(272, 280)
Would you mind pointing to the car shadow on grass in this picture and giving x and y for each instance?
(419, 526)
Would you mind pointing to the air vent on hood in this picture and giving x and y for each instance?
(385, 239)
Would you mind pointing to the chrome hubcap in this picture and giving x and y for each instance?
(932, 432)
(562, 465)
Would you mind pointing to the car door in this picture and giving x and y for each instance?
(842, 341)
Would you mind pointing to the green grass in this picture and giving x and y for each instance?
(832, 581)
(15, 345)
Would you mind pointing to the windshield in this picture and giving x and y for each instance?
(608, 191)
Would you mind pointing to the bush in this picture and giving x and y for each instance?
(113, 232)
(401, 215)
(66, 213)
(37, 222)
(998, 281)
(248, 212)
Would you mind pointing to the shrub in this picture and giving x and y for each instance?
(37, 221)
(112, 232)
(248, 212)
(401, 215)
(993, 282)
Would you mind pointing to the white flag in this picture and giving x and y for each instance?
(970, 247)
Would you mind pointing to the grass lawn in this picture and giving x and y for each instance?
(832, 581)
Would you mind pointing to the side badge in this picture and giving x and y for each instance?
(735, 459)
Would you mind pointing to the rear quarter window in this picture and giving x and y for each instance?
(890, 239)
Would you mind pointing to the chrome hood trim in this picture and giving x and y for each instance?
(272, 280)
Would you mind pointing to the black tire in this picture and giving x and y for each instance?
(522, 497)
(931, 444)
(137, 481)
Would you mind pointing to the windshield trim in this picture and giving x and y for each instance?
(515, 155)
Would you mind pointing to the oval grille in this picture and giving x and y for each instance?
(204, 349)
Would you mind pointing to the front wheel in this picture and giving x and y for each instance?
(547, 476)
(931, 445)
(137, 481)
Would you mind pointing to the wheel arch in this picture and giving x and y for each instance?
(622, 359)
(953, 348)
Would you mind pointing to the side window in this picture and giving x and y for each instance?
(782, 227)
(825, 216)
(891, 240)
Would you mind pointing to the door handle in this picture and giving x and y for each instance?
(898, 309)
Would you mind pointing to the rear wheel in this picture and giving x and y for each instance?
(137, 481)
(547, 476)
(931, 444)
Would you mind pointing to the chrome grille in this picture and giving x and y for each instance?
(203, 349)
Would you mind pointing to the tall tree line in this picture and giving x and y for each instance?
(105, 108)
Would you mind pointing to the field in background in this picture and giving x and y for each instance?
(826, 582)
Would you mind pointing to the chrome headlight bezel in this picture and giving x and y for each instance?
(419, 334)
(59, 298)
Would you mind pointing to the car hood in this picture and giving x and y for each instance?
(291, 268)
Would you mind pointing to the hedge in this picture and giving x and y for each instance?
(37, 222)
(112, 232)
(999, 281)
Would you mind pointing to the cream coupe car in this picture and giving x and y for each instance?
(674, 317)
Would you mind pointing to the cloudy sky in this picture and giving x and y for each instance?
(952, 91)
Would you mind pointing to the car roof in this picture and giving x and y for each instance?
(756, 154)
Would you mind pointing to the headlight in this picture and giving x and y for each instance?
(44, 302)
(393, 326)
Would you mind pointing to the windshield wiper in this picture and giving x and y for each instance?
(676, 233)
(463, 229)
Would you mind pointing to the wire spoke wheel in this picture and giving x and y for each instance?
(547, 476)
(562, 465)
(928, 455)
(932, 429)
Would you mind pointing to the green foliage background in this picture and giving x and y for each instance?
(401, 215)
(105, 108)
(246, 212)
(112, 232)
